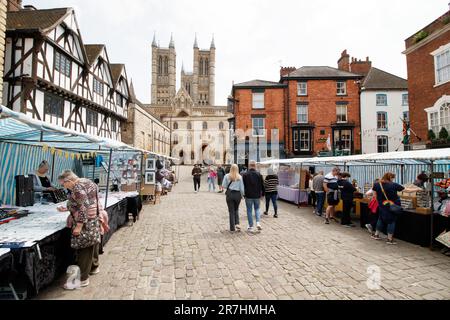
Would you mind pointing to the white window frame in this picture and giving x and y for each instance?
(295, 140)
(257, 102)
(339, 108)
(386, 127)
(302, 88)
(302, 111)
(405, 102)
(306, 138)
(263, 128)
(384, 145)
(383, 103)
(341, 91)
(442, 51)
(437, 114)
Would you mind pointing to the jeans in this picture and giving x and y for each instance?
(211, 184)
(253, 203)
(320, 202)
(234, 199)
(272, 197)
(197, 183)
(381, 225)
(346, 214)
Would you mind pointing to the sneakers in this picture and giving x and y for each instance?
(250, 229)
(238, 227)
(266, 213)
(84, 283)
(95, 271)
(258, 226)
(327, 221)
(391, 242)
(275, 216)
(375, 237)
(369, 227)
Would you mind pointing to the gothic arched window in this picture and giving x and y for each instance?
(206, 66)
(175, 126)
(160, 65)
(201, 66)
(205, 125)
(221, 126)
(166, 66)
(189, 125)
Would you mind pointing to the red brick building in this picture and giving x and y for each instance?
(322, 103)
(309, 106)
(259, 108)
(428, 58)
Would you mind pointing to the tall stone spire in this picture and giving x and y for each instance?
(172, 43)
(154, 44)
(213, 45)
(195, 42)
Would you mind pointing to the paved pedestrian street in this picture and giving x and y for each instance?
(181, 249)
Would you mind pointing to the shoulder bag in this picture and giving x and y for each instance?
(228, 192)
(393, 208)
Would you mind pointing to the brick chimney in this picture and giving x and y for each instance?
(344, 61)
(361, 67)
(286, 70)
(14, 5)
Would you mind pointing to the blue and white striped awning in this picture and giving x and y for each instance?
(22, 129)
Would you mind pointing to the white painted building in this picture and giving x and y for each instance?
(384, 107)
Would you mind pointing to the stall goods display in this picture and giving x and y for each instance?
(407, 203)
(444, 184)
(10, 214)
(423, 199)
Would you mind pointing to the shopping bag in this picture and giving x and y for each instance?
(74, 280)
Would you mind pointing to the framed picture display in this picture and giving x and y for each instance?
(150, 165)
(150, 178)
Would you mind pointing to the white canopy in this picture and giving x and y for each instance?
(389, 158)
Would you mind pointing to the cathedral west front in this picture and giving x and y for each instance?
(200, 129)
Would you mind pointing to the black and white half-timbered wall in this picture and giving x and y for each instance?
(52, 76)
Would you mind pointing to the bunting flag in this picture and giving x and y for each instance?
(52, 151)
(44, 147)
(60, 153)
(66, 155)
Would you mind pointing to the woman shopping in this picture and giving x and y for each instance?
(234, 185)
(84, 222)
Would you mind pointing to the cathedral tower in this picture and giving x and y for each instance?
(163, 73)
(203, 78)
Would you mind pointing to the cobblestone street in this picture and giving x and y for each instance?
(181, 249)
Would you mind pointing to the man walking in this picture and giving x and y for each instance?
(320, 192)
(254, 190)
(330, 185)
(197, 175)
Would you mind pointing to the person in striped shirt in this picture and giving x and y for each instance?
(271, 185)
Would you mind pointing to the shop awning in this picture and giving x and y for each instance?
(19, 128)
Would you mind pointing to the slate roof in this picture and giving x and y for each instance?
(93, 51)
(35, 20)
(259, 83)
(378, 79)
(320, 72)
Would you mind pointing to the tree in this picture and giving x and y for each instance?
(431, 135)
(443, 134)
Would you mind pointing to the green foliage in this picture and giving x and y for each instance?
(443, 134)
(431, 135)
(446, 20)
(420, 35)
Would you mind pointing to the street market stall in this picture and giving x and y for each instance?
(419, 224)
(35, 237)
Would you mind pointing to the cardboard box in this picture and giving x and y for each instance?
(424, 211)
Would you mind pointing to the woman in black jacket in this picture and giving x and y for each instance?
(347, 192)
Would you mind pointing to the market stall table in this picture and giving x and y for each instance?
(40, 242)
(292, 195)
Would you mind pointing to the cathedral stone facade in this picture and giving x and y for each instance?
(200, 130)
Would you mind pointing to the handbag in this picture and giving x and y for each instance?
(393, 208)
(373, 205)
(90, 233)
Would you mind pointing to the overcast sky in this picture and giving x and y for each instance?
(253, 37)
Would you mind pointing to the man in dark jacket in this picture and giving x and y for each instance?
(197, 175)
(254, 190)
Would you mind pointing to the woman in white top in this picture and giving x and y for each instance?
(234, 184)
